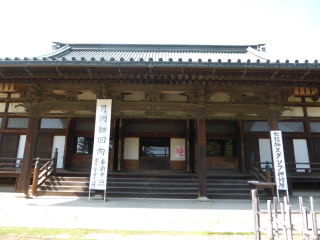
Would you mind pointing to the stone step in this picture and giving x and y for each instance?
(85, 179)
(148, 184)
(64, 193)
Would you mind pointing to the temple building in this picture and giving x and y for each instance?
(189, 119)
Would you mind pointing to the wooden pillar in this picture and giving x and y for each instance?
(187, 147)
(195, 146)
(273, 125)
(242, 147)
(120, 145)
(111, 160)
(68, 147)
(309, 137)
(202, 168)
(272, 118)
(4, 121)
(25, 174)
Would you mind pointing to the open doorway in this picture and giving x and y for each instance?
(154, 154)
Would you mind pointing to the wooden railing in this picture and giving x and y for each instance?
(257, 171)
(11, 167)
(298, 169)
(279, 224)
(46, 171)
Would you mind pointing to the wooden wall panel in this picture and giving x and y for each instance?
(81, 161)
(43, 146)
(227, 163)
(288, 150)
(177, 165)
(316, 147)
(10, 145)
(131, 164)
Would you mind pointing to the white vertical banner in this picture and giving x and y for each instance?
(279, 164)
(99, 169)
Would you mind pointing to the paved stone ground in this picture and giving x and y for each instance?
(134, 214)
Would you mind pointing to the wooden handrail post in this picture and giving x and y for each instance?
(55, 160)
(35, 178)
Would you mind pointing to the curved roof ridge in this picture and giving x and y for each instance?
(257, 53)
(57, 52)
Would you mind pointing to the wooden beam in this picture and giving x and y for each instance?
(26, 167)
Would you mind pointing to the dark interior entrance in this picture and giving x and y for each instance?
(155, 154)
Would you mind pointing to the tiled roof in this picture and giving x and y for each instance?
(132, 55)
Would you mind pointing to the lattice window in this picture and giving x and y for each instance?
(18, 122)
(315, 127)
(291, 126)
(85, 126)
(53, 123)
(255, 126)
(220, 129)
(1, 122)
(132, 127)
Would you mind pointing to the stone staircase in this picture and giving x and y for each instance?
(149, 187)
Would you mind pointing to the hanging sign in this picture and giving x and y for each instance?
(99, 169)
(279, 161)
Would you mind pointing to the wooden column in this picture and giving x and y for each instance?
(25, 174)
(187, 147)
(120, 145)
(273, 125)
(195, 146)
(309, 137)
(272, 119)
(68, 147)
(202, 168)
(242, 147)
(111, 160)
(4, 120)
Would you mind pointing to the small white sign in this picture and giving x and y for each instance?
(279, 161)
(100, 156)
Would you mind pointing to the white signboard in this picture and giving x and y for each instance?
(279, 161)
(99, 169)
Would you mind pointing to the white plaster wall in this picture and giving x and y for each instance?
(131, 149)
(58, 142)
(176, 142)
(14, 109)
(2, 107)
(296, 112)
(265, 151)
(22, 143)
(313, 111)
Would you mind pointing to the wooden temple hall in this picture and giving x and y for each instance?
(187, 121)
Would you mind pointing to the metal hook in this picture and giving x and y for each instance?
(305, 74)
(120, 72)
(58, 70)
(274, 74)
(214, 70)
(89, 71)
(1, 74)
(28, 71)
(244, 73)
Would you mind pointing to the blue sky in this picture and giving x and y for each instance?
(291, 29)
